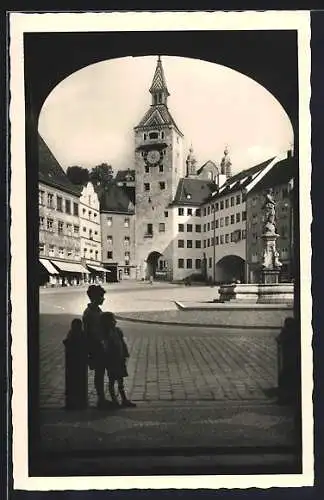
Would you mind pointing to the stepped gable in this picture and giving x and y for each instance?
(50, 171)
(193, 191)
(115, 199)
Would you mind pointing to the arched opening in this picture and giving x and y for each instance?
(230, 269)
(153, 266)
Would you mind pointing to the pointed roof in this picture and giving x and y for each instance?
(156, 116)
(159, 81)
(50, 171)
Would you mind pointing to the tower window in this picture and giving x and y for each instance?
(162, 135)
(149, 229)
(162, 185)
(144, 137)
(160, 98)
(160, 168)
(154, 135)
(147, 169)
(146, 186)
(161, 227)
(180, 211)
(166, 214)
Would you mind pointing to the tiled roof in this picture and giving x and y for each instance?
(158, 115)
(50, 171)
(115, 199)
(193, 191)
(122, 175)
(281, 173)
(159, 82)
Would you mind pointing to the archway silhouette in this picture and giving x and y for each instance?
(152, 264)
(230, 268)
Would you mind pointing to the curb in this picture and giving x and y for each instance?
(197, 325)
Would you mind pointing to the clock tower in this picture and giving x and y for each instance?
(159, 166)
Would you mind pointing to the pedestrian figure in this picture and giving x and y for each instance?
(93, 331)
(76, 367)
(151, 280)
(116, 354)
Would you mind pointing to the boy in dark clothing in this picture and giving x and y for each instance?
(116, 354)
(93, 331)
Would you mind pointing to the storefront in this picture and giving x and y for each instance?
(48, 273)
(97, 274)
(70, 273)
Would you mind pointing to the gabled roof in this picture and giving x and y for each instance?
(280, 173)
(50, 171)
(208, 163)
(193, 191)
(242, 179)
(156, 116)
(115, 199)
(122, 176)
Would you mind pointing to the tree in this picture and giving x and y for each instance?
(101, 175)
(78, 175)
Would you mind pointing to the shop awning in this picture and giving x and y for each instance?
(99, 268)
(70, 267)
(48, 266)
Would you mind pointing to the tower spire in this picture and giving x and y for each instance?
(159, 89)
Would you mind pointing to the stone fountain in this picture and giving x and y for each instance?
(268, 290)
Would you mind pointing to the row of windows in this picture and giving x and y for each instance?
(62, 228)
(60, 251)
(228, 202)
(49, 202)
(219, 240)
(189, 263)
(229, 219)
(110, 221)
(190, 211)
(90, 214)
(147, 186)
(126, 240)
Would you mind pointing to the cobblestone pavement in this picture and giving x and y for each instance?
(172, 363)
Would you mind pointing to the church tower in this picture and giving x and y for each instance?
(191, 163)
(226, 164)
(159, 165)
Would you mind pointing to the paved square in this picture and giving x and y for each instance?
(171, 363)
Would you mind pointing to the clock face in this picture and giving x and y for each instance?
(153, 156)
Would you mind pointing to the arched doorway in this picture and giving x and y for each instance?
(230, 268)
(152, 265)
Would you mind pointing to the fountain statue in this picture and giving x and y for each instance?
(270, 259)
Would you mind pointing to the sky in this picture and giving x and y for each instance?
(89, 117)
